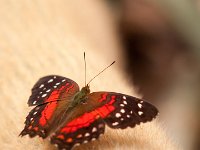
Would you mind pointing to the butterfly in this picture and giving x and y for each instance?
(71, 117)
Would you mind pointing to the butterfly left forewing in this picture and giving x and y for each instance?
(49, 88)
(51, 108)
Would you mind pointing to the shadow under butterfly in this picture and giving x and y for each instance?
(71, 117)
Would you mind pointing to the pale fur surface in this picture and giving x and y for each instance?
(43, 37)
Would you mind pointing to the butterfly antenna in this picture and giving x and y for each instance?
(85, 68)
(101, 72)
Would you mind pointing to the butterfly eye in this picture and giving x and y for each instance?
(84, 101)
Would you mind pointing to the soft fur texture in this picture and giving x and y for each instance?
(39, 38)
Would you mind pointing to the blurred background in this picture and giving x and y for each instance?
(162, 59)
(155, 42)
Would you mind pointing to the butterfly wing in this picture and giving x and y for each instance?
(77, 132)
(88, 120)
(39, 119)
(50, 109)
(49, 88)
(127, 111)
(83, 124)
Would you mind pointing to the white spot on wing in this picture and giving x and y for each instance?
(87, 134)
(140, 113)
(35, 113)
(122, 111)
(117, 115)
(128, 116)
(48, 90)
(42, 85)
(63, 80)
(58, 83)
(85, 141)
(125, 102)
(124, 97)
(122, 105)
(44, 95)
(34, 102)
(55, 86)
(139, 105)
(115, 123)
(94, 129)
(93, 139)
(51, 80)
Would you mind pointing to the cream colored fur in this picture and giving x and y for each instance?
(42, 37)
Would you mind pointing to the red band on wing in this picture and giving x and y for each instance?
(69, 88)
(86, 119)
(104, 96)
(47, 113)
(105, 110)
(50, 108)
(55, 94)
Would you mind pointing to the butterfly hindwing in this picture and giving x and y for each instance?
(38, 119)
(85, 123)
(70, 136)
(49, 88)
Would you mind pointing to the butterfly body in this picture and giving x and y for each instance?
(70, 116)
(80, 97)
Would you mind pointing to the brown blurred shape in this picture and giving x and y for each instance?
(160, 59)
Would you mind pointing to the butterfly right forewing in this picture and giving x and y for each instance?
(130, 111)
(122, 111)
(88, 119)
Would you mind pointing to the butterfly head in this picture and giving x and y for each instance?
(86, 90)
